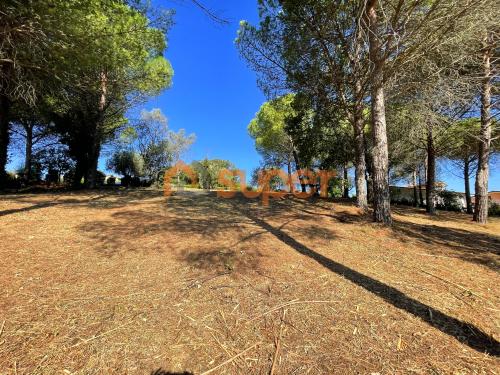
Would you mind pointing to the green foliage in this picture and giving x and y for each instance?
(208, 172)
(449, 201)
(126, 163)
(87, 62)
(494, 209)
(268, 127)
(158, 146)
(54, 160)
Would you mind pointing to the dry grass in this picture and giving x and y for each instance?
(130, 282)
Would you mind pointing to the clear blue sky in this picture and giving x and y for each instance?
(214, 93)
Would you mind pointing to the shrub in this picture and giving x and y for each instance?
(12, 181)
(494, 209)
(111, 181)
(100, 178)
(449, 201)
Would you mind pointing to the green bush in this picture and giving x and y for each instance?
(450, 201)
(494, 209)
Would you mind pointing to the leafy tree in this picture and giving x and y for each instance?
(323, 48)
(314, 48)
(150, 136)
(120, 65)
(126, 163)
(32, 34)
(268, 129)
(31, 134)
(208, 171)
(463, 152)
(89, 61)
(158, 146)
(53, 160)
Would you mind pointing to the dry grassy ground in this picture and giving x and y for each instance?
(130, 282)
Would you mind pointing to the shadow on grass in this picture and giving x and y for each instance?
(163, 372)
(36, 206)
(209, 216)
(464, 332)
(473, 247)
(104, 199)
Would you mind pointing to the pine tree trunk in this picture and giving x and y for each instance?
(28, 127)
(289, 170)
(345, 182)
(79, 174)
(415, 192)
(93, 162)
(298, 168)
(96, 146)
(4, 137)
(420, 192)
(468, 199)
(430, 188)
(381, 197)
(359, 143)
(482, 174)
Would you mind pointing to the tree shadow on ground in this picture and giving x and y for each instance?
(466, 333)
(210, 216)
(474, 247)
(103, 199)
(164, 372)
(179, 219)
(440, 216)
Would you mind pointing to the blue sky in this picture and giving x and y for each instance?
(214, 93)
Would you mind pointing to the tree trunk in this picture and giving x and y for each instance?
(28, 127)
(369, 180)
(345, 182)
(381, 197)
(360, 161)
(482, 174)
(4, 137)
(289, 170)
(430, 188)
(298, 169)
(420, 192)
(93, 162)
(79, 174)
(415, 192)
(96, 146)
(468, 199)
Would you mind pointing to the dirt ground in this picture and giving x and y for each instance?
(132, 282)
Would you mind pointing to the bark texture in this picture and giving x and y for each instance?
(95, 149)
(345, 182)
(4, 137)
(430, 188)
(359, 144)
(415, 191)
(468, 198)
(381, 197)
(482, 174)
(28, 127)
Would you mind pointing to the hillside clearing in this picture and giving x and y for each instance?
(132, 282)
